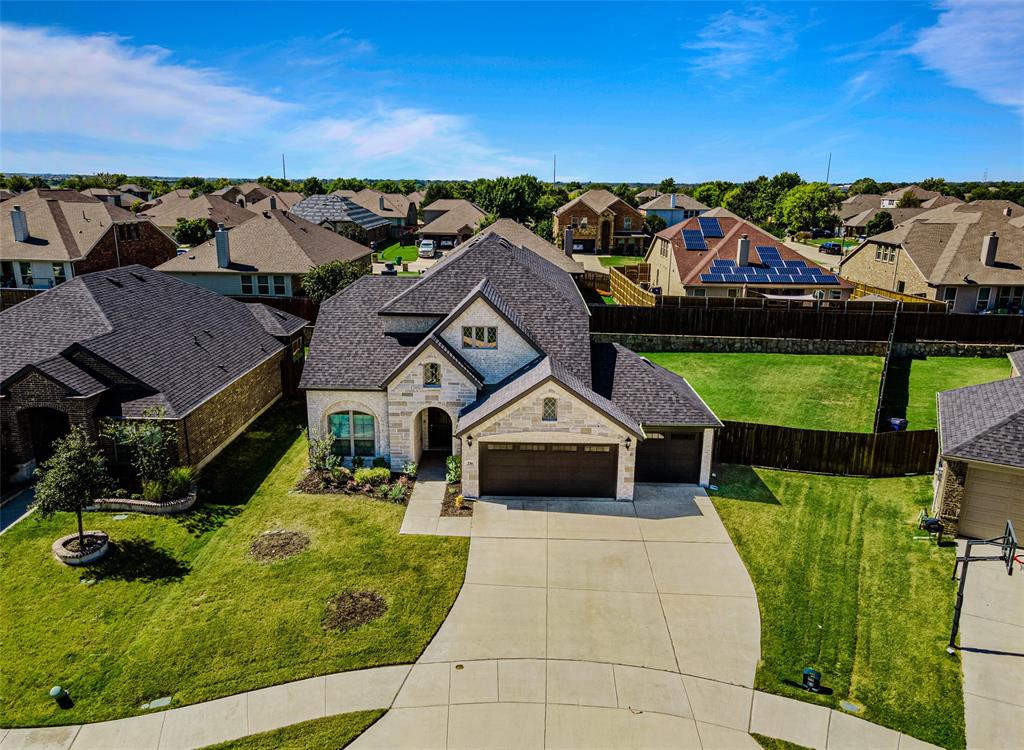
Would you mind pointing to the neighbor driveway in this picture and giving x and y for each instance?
(589, 624)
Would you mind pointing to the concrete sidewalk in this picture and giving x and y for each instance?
(992, 653)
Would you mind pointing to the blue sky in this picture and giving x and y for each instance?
(619, 91)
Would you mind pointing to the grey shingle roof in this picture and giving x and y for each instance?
(984, 422)
(650, 394)
(321, 208)
(173, 206)
(276, 322)
(517, 234)
(178, 342)
(1017, 361)
(460, 216)
(663, 202)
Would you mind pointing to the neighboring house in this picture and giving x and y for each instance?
(450, 221)
(416, 197)
(969, 255)
(718, 254)
(121, 343)
(890, 199)
(283, 200)
(213, 209)
(601, 222)
(244, 194)
(488, 356)
(5, 194)
(335, 211)
(857, 225)
(396, 208)
(136, 191)
(50, 236)
(856, 212)
(265, 256)
(673, 208)
(645, 195)
(521, 236)
(115, 197)
(980, 480)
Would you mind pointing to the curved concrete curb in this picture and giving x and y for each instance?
(66, 556)
(146, 506)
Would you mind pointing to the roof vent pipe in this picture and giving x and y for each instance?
(1008, 211)
(19, 221)
(989, 245)
(672, 200)
(273, 203)
(380, 202)
(743, 251)
(223, 251)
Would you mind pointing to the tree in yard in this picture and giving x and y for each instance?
(71, 478)
(864, 185)
(544, 228)
(740, 200)
(880, 222)
(509, 197)
(486, 221)
(191, 231)
(152, 443)
(274, 183)
(711, 193)
(908, 200)
(324, 281)
(312, 186)
(654, 224)
(765, 207)
(354, 232)
(939, 185)
(810, 205)
(136, 206)
(668, 185)
(346, 183)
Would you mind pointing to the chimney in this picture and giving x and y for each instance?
(380, 202)
(20, 223)
(567, 242)
(223, 252)
(988, 249)
(743, 251)
(241, 202)
(672, 200)
(1008, 211)
(273, 203)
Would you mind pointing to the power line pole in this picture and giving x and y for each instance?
(828, 169)
(284, 174)
(554, 168)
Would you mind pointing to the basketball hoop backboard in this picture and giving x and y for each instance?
(1008, 547)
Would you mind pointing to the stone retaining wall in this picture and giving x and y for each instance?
(145, 506)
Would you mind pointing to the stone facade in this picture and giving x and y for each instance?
(119, 247)
(950, 495)
(578, 422)
(512, 352)
(322, 404)
(617, 216)
(885, 266)
(214, 423)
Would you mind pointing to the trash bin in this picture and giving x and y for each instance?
(811, 680)
(898, 423)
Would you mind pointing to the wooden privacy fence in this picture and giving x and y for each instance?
(626, 291)
(864, 454)
(10, 296)
(599, 282)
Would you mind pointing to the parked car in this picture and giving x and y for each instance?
(819, 233)
(426, 249)
(447, 244)
(833, 248)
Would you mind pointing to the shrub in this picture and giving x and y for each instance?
(459, 501)
(152, 443)
(380, 463)
(179, 482)
(373, 477)
(321, 456)
(340, 474)
(410, 469)
(396, 493)
(454, 473)
(152, 491)
(358, 462)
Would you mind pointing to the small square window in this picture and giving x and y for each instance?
(263, 285)
(246, 284)
(627, 223)
(492, 338)
(279, 286)
(432, 374)
(550, 412)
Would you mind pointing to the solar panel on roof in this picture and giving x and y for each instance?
(735, 278)
(767, 249)
(828, 280)
(710, 226)
(694, 240)
(712, 278)
(775, 263)
(795, 263)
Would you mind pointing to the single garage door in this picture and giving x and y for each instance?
(669, 457)
(990, 499)
(548, 469)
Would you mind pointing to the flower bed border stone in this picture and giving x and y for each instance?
(66, 556)
(167, 508)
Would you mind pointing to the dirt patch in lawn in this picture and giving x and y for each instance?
(277, 545)
(350, 609)
(449, 507)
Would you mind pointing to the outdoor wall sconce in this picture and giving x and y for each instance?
(469, 440)
(629, 442)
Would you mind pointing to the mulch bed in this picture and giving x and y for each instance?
(448, 504)
(350, 609)
(313, 483)
(277, 545)
(91, 543)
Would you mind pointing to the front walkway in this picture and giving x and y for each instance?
(992, 652)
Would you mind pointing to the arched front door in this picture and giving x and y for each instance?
(439, 430)
(606, 236)
(43, 426)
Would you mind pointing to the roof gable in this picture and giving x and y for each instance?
(984, 422)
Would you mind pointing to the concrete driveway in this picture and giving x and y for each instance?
(589, 624)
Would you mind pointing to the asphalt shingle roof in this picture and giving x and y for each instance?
(984, 422)
(276, 322)
(683, 202)
(178, 342)
(173, 206)
(459, 216)
(517, 234)
(321, 208)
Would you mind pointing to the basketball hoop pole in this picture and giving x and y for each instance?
(1007, 544)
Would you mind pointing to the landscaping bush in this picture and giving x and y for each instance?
(396, 493)
(152, 491)
(373, 477)
(358, 462)
(454, 472)
(410, 469)
(179, 482)
(380, 463)
(321, 456)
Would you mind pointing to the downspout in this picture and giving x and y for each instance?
(188, 450)
(117, 250)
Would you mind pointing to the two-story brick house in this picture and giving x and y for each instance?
(601, 222)
(488, 356)
(50, 236)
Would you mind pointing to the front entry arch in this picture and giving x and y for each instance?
(432, 431)
(43, 426)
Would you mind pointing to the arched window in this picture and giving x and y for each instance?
(353, 433)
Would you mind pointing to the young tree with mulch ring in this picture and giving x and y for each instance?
(71, 478)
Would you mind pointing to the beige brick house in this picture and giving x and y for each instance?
(601, 222)
(969, 255)
(488, 356)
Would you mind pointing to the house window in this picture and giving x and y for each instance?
(59, 274)
(353, 433)
(734, 292)
(949, 294)
(597, 449)
(479, 337)
(983, 297)
(432, 375)
(127, 232)
(664, 249)
(698, 292)
(246, 284)
(901, 286)
(835, 294)
(26, 274)
(878, 252)
(575, 221)
(279, 286)
(627, 223)
(262, 285)
(583, 222)
(550, 411)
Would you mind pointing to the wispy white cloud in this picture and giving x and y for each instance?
(100, 86)
(733, 42)
(978, 46)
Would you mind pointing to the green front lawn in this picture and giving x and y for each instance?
(180, 609)
(620, 260)
(399, 254)
(330, 733)
(844, 587)
(821, 392)
(930, 375)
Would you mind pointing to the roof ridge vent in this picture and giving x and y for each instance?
(138, 276)
(114, 281)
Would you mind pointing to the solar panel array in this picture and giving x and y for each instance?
(773, 270)
(693, 239)
(710, 227)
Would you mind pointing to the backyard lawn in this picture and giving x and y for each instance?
(331, 733)
(620, 260)
(930, 375)
(844, 587)
(821, 392)
(180, 608)
(399, 254)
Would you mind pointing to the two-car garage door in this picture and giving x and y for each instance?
(992, 497)
(548, 469)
